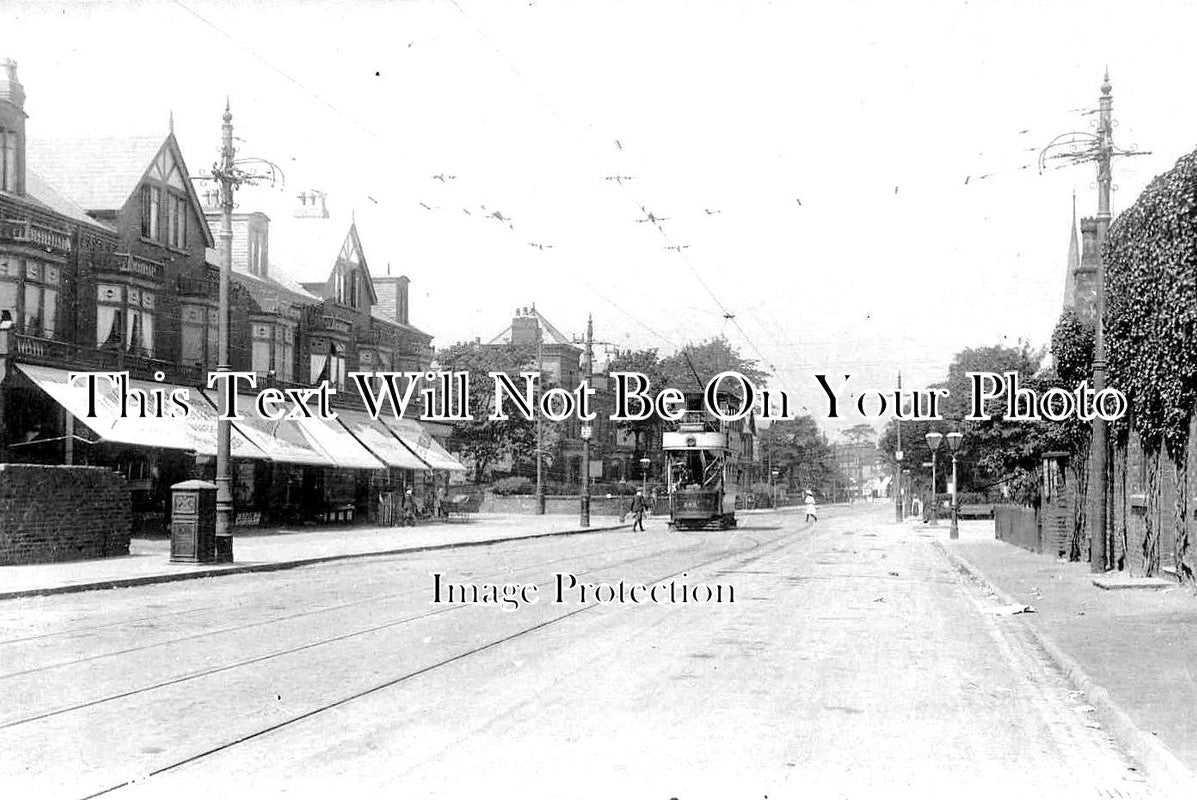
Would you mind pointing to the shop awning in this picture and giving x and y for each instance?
(195, 432)
(283, 441)
(339, 443)
(379, 440)
(421, 443)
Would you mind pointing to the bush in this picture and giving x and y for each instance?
(518, 485)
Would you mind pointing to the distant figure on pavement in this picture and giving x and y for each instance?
(652, 502)
(409, 508)
(637, 510)
(812, 511)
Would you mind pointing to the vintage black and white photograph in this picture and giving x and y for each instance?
(657, 399)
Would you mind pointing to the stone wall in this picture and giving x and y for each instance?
(51, 513)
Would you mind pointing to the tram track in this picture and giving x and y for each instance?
(757, 550)
(244, 626)
(296, 649)
(348, 563)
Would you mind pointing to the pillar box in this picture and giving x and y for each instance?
(193, 522)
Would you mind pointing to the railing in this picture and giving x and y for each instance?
(198, 287)
(327, 322)
(21, 231)
(49, 352)
(131, 265)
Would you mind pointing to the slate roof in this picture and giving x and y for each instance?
(408, 328)
(40, 193)
(551, 334)
(303, 250)
(98, 174)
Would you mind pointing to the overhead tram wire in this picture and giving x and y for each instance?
(623, 184)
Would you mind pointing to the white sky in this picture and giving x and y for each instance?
(740, 107)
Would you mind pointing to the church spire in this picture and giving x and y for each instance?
(1074, 261)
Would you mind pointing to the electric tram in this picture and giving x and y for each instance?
(701, 473)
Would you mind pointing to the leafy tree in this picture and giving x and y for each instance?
(996, 450)
(482, 440)
(800, 453)
(708, 359)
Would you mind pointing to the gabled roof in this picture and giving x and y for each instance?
(303, 250)
(41, 193)
(99, 174)
(551, 334)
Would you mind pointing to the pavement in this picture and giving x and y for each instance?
(265, 550)
(1132, 651)
(855, 661)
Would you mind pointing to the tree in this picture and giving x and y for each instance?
(799, 453)
(647, 363)
(995, 450)
(483, 440)
(708, 359)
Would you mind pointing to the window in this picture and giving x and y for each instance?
(125, 318)
(9, 152)
(29, 291)
(353, 300)
(200, 336)
(274, 349)
(151, 200)
(176, 222)
(329, 365)
(164, 202)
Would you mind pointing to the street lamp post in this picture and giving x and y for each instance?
(644, 465)
(226, 174)
(933, 441)
(229, 173)
(773, 485)
(955, 438)
(584, 511)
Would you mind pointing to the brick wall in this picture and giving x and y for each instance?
(50, 513)
(600, 505)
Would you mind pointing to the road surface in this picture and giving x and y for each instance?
(846, 659)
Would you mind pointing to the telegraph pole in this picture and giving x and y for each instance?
(584, 512)
(898, 459)
(226, 174)
(540, 422)
(1097, 147)
(1105, 153)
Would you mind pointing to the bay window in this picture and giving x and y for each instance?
(274, 349)
(125, 317)
(200, 331)
(29, 290)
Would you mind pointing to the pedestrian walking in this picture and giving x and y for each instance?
(812, 511)
(637, 509)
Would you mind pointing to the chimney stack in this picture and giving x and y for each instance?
(12, 130)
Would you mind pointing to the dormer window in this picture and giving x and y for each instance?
(164, 208)
(151, 205)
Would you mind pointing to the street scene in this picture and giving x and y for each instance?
(655, 400)
(848, 631)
